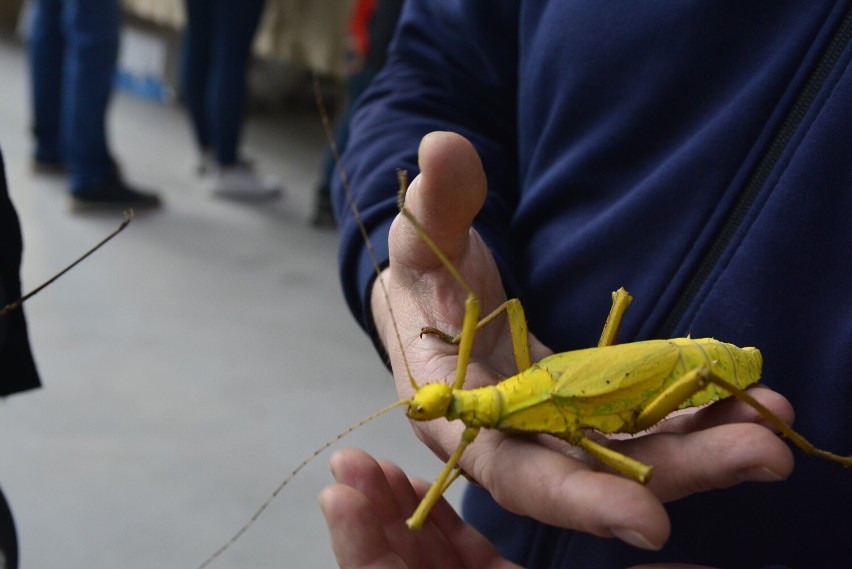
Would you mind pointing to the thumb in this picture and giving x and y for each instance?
(444, 198)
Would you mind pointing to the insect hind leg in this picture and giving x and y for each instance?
(783, 428)
(624, 464)
(671, 398)
(697, 379)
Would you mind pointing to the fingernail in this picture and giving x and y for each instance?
(321, 500)
(330, 465)
(760, 474)
(634, 538)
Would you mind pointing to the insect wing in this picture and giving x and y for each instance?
(612, 379)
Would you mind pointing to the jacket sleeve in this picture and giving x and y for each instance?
(452, 66)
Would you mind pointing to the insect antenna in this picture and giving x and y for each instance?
(472, 306)
(128, 216)
(293, 474)
(356, 214)
(402, 175)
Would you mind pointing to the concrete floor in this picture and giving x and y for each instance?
(190, 364)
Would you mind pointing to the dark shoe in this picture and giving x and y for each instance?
(115, 194)
(49, 167)
(323, 214)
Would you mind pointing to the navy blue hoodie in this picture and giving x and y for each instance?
(697, 153)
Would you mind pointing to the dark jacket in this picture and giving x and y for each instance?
(17, 369)
(700, 155)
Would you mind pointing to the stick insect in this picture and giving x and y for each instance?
(14, 305)
(611, 388)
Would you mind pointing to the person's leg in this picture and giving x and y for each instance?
(235, 27)
(92, 32)
(92, 28)
(195, 67)
(46, 53)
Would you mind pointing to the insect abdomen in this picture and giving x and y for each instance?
(740, 366)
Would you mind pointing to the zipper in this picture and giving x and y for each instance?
(765, 167)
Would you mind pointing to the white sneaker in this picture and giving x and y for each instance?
(242, 183)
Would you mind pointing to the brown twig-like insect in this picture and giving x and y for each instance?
(128, 217)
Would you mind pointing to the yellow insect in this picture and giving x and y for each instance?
(610, 388)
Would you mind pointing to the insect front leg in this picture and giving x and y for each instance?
(517, 326)
(471, 314)
(447, 476)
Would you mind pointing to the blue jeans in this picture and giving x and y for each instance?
(73, 49)
(216, 50)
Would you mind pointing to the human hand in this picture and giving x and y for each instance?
(366, 510)
(541, 477)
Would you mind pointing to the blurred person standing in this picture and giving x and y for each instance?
(73, 49)
(17, 367)
(371, 25)
(216, 52)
